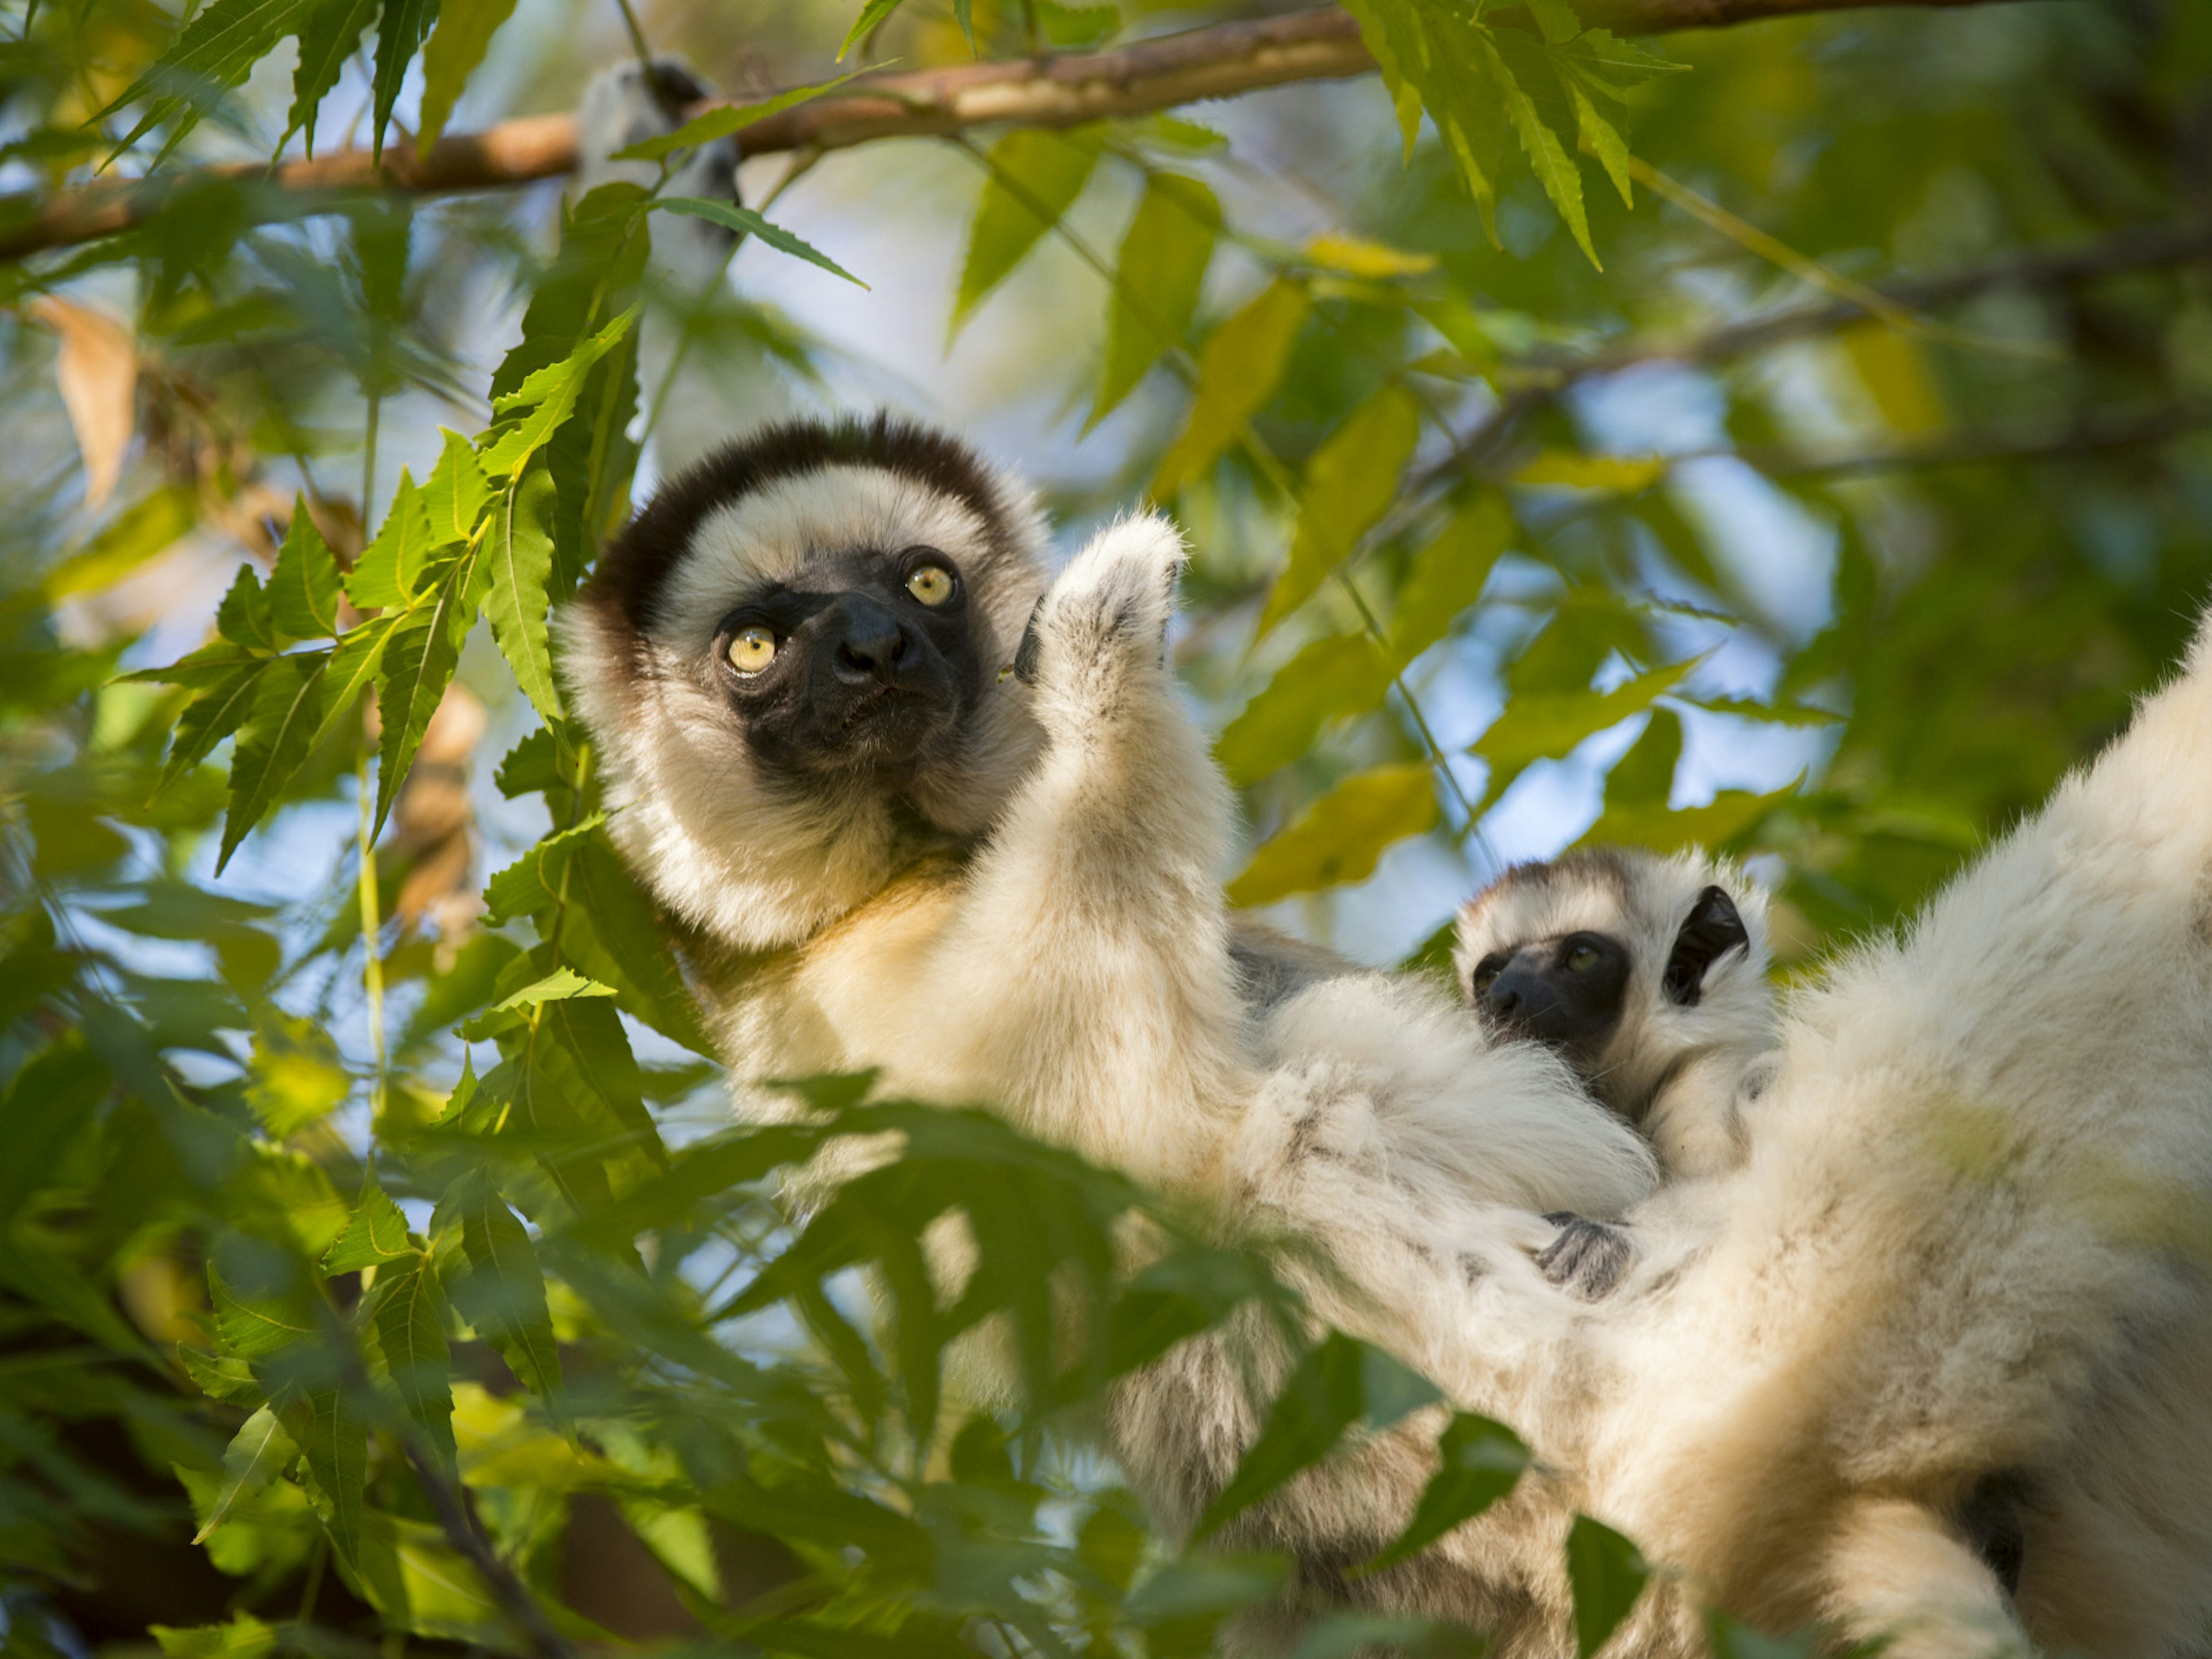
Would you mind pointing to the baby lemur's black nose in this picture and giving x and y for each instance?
(1518, 994)
(872, 643)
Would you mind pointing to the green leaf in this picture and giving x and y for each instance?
(131, 537)
(1349, 484)
(550, 394)
(254, 1327)
(399, 33)
(1603, 139)
(353, 665)
(215, 52)
(1157, 281)
(1238, 369)
(1034, 177)
(1448, 575)
(390, 570)
(1645, 776)
(1625, 473)
(273, 743)
(1607, 1575)
(418, 660)
(1540, 726)
(457, 47)
(244, 616)
(705, 129)
(457, 493)
(746, 222)
(210, 718)
(243, 1637)
(257, 1455)
(1478, 1461)
(499, 1288)
(303, 588)
(1556, 19)
(409, 1315)
(1327, 679)
(1342, 836)
(328, 34)
(1339, 1382)
(332, 1429)
(222, 1379)
(871, 18)
(297, 1077)
(49, 1105)
(375, 1236)
(1554, 167)
(518, 552)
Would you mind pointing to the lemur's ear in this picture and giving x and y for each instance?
(1713, 931)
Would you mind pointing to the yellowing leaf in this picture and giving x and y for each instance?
(97, 369)
(1342, 835)
(1357, 256)
(1156, 280)
(1564, 466)
(1448, 575)
(1349, 484)
(1237, 371)
(1540, 726)
(1893, 368)
(1329, 678)
(1034, 177)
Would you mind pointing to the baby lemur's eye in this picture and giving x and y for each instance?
(1582, 959)
(753, 649)
(1486, 972)
(932, 584)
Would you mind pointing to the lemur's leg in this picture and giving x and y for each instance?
(1899, 1576)
(1091, 942)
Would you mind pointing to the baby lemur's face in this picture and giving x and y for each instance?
(1625, 964)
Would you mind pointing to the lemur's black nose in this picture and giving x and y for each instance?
(872, 643)
(1518, 994)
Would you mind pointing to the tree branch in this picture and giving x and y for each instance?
(1221, 61)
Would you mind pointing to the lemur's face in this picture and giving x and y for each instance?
(1567, 992)
(864, 665)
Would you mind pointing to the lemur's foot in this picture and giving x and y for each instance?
(1109, 610)
(1588, 1258)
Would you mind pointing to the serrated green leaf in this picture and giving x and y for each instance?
(1540, 725)
(1608, 1575)
(214, 53)
(1158, 278)
(243, 1637)
(549, 396)
(1342, 836)
(1448, 574)
(1238, 369)
(1034, 177)
(1556, 19)
(375, 1236)
(418, 660)
(456, 495)
(257, 1455)
(273, 743)
(254, 1327)
(210, 718)
(1554, 168)
(1349, 484)
(1601, 139)
(399, 31)
(332, 1429)
(746, 222)
(244, 616)
(498, 1286)
(303, 588)
(871, 18)
(1601, 49)
(457, 47)
(1339, 1382)
(715, 124)
(390, 568)
(1329, 678)
(328, 34)
(48, 1104)
(222, 1379)
(557, 986)
(407, 1311)
(352, 667)
(1478, 1462)
(518, 553)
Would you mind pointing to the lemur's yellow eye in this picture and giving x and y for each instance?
(1582, 959)
(753, 649)
(932, 584)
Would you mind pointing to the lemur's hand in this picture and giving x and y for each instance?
(1107, 612)
(1588, 1257)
